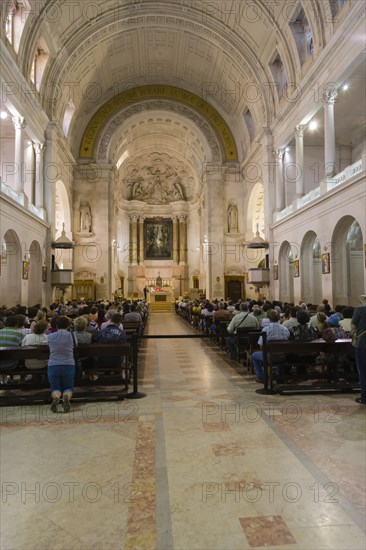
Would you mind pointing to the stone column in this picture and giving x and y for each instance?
(141, 240)
(175, 241)
(133, 239)
(329, 133)
(280, 203)
(182, 239)
(215, 226)
(300, 180)
(39, 198)
(19, 125)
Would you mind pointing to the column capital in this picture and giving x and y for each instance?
(182, 218)
(299, 130)
(142, 219)
(330, 96)
(133, 218)
(38, 147)
(279, 154)
(19, 122)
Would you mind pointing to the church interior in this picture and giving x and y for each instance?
(183, 148)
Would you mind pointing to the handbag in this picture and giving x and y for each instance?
(356, 337)
(78, 365)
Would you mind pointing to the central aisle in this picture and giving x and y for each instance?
(201, 462)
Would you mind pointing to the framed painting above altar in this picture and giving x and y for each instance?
(158, 239)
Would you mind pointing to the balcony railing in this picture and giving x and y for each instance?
(330, 183)
(20, 198)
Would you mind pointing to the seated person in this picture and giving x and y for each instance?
(37, 338)
(244, 319)
(274, 331)
(10, 336)
(345, 323)
(302, 332)
(84, 337)
(132, 315)
(111, 334)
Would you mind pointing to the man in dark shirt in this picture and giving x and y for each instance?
(358, 323)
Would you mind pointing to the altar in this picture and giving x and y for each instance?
(161, 296)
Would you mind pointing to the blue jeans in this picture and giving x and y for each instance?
(361, 367)
(257, 360)
(61, 377)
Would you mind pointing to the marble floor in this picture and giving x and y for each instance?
(202, 462)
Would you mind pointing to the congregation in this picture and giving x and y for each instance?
(221, 319)
(303, 322)
(63, 328)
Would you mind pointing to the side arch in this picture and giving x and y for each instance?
(311, 269)
(347, 262)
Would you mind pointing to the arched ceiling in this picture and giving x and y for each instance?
(217, 50)
(220, 51)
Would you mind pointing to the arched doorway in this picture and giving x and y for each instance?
(286, 273)
(311, 269)
(347, 262)
(35, 274)
(11, 269)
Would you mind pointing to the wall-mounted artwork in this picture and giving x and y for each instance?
(25, 273)
(275, 272)
(296, 268)
(158, 239)
(326, 262)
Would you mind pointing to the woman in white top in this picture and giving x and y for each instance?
(36, 338)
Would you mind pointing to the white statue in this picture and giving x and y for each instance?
(85, 218)
(232, 218)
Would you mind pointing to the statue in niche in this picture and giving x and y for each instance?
(177, 190)
(85, 217)
(232, 218)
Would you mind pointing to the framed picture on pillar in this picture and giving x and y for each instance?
(326, 263)
(296, 268)
(158, 239)
(25, 272)
(44, 274)
(275, 272)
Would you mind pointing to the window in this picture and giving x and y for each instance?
(248, 119)
(279, 75)
(39, 64)
(18, 11)
(69, 113)
(303, 35)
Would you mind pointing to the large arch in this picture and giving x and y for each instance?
(347, 262)
(286, 272)
(162, 92)
(311, 269)
(11, 269)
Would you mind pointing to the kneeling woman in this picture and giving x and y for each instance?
(61, 364)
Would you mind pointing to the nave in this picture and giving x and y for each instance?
(202, 461)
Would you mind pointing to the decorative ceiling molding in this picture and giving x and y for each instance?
(104, 142)
(167, 93)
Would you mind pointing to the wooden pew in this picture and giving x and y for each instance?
(96, 350)
(247, 343)
(290, 352)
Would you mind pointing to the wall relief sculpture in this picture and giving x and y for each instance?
(156, 179)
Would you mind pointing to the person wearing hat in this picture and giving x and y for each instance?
(333, 330)
(358, 324)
